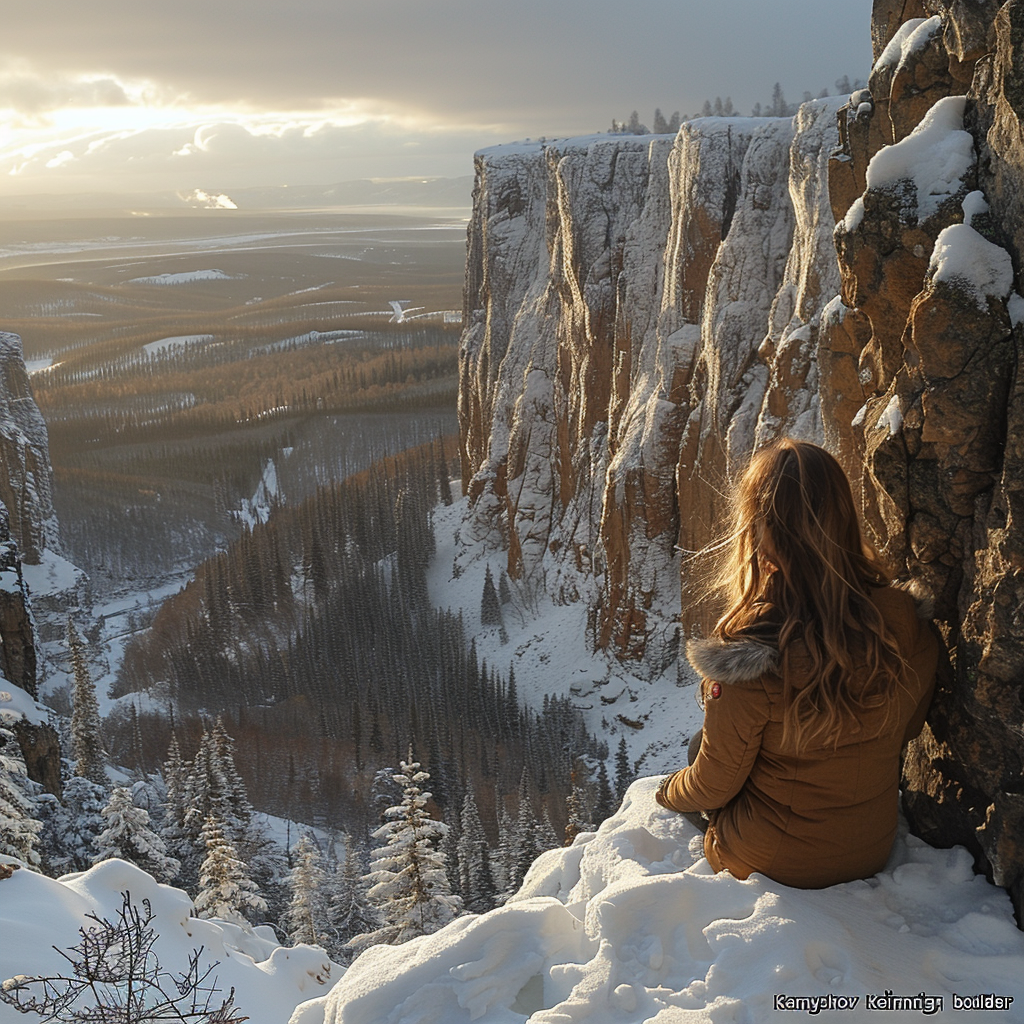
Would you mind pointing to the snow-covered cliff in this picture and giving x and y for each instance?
(28, 534)
(25, 484)
(638, 310)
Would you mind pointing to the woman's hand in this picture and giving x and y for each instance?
(662, 789)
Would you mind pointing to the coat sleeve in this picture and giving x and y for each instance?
(734, 724)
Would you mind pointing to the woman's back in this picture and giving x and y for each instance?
(806, 811)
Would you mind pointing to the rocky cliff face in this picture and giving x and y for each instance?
(930, 253)
(27, 526)
(641, 312)
(25, 488)
(638, 310)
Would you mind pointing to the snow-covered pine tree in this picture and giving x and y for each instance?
(490, 607)
(237, 797)
(634, 127)
(623, 770)
(225, 888)
(547, 837)
(511, 720)
(407, 876)
(267, 861)
(475, 878)
(128, 835)
(605, 805)
(501, 866)
(524, 842)
(86, 745)
(175, 772)
(206, 792)
(450, 848)
(184, 846)
(72, 825)
(384, 791)
(349, 911)
(305, 918)
(19, 826)
(578, 818)
(150, 794)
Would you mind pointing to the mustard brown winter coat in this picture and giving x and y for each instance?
(808, 818)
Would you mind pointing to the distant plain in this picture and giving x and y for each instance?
(174, 354)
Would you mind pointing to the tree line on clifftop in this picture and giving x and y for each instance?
(777, 106)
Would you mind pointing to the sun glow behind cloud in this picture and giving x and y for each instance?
(102, 134)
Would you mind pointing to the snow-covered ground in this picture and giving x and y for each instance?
(38, 913)
(178, 341)
(630, 926)
(548, 645)
(185, 277)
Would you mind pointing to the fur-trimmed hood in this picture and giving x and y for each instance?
(748, 658)
(732, 661)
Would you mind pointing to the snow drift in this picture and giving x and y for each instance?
(630, 925)
(39, 913)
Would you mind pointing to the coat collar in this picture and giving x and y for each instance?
(732, 661)
(745, 659)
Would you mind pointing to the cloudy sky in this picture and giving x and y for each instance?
(138, 95)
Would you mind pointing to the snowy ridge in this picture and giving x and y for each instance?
(269, 980)
(630, 926)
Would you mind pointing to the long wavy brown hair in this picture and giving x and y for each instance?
(798, 563)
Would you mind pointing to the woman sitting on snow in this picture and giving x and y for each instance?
(813, 680)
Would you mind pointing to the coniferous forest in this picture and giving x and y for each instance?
(168, 385)
(304, 671)
(315, 637)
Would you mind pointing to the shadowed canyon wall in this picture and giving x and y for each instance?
(641, 312)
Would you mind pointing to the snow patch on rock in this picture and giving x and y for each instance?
(912, 36)
(934, 157)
